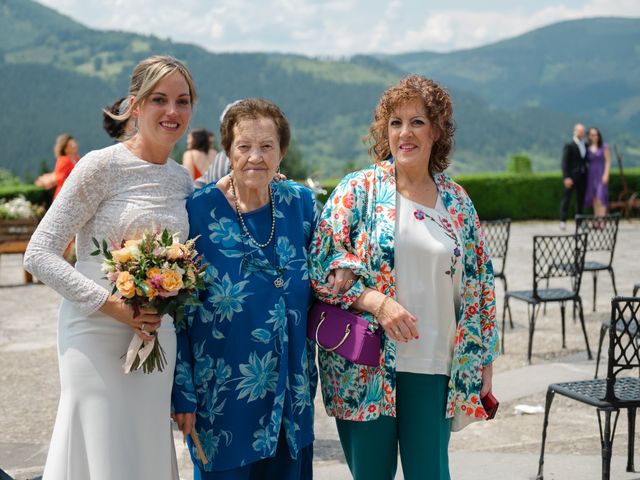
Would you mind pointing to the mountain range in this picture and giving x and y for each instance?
(520, 95)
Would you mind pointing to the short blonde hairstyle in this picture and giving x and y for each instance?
(146, 75)
(61, 144)
(439, 108)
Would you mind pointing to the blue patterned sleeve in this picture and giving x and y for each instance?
(310, 214)
(183, 395)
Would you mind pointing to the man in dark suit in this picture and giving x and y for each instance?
(574, 173)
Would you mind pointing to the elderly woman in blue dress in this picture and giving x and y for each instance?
(245, 374)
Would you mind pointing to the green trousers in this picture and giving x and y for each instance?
(420, 430)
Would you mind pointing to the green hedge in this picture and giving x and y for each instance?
(520, 197)
(528, 197)
(495, 195)
(30, 192)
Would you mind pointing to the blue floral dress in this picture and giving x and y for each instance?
(244, 364)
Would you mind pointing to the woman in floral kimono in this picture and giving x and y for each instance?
(245, 375)
(401, 242)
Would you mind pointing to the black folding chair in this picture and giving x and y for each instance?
(554, 256)
(602, 233)
(613, 394)
(604, 328)
(496, 233)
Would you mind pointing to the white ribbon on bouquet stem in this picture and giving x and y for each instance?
(140, 348)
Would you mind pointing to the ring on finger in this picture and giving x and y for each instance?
(350, 283)
(142, 327)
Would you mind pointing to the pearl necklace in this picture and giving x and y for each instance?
(244, 226)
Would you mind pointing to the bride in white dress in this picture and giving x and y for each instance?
(111, 425)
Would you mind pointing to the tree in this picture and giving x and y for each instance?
(8, 178)
(519, 165)
(293, 165)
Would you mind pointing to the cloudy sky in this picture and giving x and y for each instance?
(334, 27)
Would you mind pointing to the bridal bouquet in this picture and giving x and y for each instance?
(156, 272)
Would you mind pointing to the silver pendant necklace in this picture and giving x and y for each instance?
(279, 281)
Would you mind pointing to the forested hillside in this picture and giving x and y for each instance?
(57, 75)
(588, 67)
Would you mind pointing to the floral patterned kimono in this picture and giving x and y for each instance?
(244, 364)
(356, 231)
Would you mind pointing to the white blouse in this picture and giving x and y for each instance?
(428, 267)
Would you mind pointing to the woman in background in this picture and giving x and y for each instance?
(599, 161)
(220, 165)
(66, 152)
(196, 159)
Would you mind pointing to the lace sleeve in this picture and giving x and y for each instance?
(76, 204)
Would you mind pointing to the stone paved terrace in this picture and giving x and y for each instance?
(506, 448)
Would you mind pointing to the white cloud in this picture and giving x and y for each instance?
(458, 29)
(381, 32)
(216, 30)
(333, 27)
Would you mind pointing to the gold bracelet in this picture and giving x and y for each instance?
(379, 309)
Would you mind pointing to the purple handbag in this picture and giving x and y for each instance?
(345, 333)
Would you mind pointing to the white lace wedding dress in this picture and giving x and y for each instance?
(109, 426)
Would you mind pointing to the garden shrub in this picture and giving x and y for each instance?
(519, 165)
(495, 195)
(520, 197)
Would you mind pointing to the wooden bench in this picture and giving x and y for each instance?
(14, 238)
